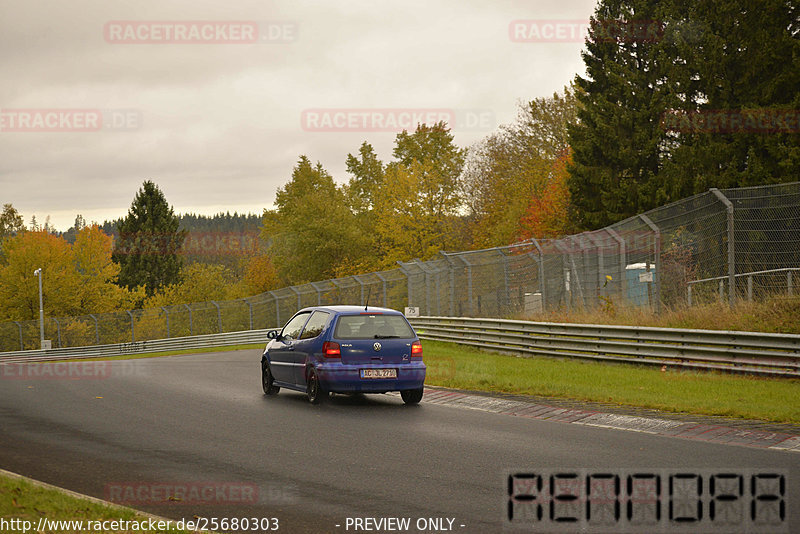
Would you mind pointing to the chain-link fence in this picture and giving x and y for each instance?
(719, 245)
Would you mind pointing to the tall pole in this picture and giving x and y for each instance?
(731, 240)
(38, 273)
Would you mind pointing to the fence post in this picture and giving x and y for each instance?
(319, 293)
(250, 305)
(657, 252)
(601, 268)
(542, 284)
(623, 263)
(731, 252)
(166, 313)
(383, 283)
(426, 277)
(191, 325)
(689, 295)
(360, 283)
(506, 296)
(58, 329)
(408, 281)
(219, 315)
(277, 309)
(133, 333)
(427, 273)
(96, 329)
(749, 289)
(789, 288)
(297, 292)
(469, 285)
(21, 343)
(575, 274)
(451, 278)
(583, 243)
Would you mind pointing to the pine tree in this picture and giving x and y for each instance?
(618, 143)
(149, 242)
(745, 63)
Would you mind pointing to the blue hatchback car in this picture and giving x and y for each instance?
(344, 349)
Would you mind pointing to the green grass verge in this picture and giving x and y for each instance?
(709, 393)
(22, 501)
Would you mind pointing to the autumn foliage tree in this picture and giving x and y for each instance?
(510, 176)
(77, 279)
(417, 206)
(312, 229)
(547, 215)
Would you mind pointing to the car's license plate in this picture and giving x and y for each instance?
(378, 373)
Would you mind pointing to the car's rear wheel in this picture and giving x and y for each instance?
(316, 393)
(412, 396)
(267, 381)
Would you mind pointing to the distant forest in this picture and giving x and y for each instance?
(224, 223)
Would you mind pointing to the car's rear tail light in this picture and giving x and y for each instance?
(416, 350)
(330, 349)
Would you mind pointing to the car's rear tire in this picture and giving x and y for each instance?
(412, 396)
(316, 393)
(267, 381)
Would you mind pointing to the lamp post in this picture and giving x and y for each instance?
(38, 273)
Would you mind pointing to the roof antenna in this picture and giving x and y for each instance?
(369, 291)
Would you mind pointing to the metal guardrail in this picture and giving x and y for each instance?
(138, 347)
(749, 276)
(738, 352)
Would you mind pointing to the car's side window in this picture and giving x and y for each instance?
(294, 326)
(315, 325)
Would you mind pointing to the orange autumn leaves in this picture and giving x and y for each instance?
(547, 212)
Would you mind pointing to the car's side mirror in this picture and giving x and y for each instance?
(273, 334)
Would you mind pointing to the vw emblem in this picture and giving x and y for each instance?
(376, 346)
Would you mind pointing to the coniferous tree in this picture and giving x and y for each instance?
(149, 242)
(741, 81)
(656, 124)
(618, 142)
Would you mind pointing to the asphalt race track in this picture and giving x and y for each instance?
(200, 421)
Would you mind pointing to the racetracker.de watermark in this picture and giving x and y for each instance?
(393, 119)
(768, 121)
(198, 493)
(199, 32)
(69, 120)
(577, 31)
(194, 244)
(72, 370)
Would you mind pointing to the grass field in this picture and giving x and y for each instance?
(709, 393)
(21, 501)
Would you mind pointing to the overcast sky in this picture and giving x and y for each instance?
(219, 119)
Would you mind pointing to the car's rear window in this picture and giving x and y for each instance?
(372, 327)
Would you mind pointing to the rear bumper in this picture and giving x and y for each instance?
(340, 378)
